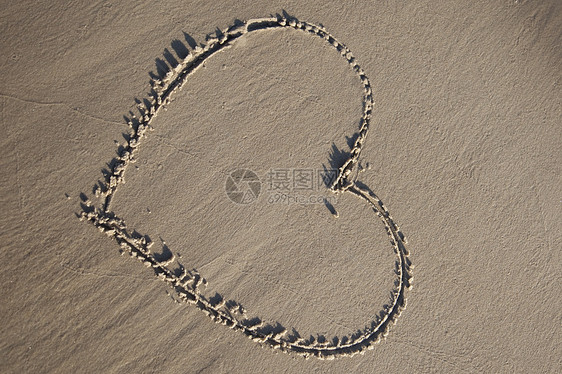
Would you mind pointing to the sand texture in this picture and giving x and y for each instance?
(282, 187)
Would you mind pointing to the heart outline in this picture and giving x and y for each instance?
(186, 283)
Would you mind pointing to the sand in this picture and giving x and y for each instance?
(166, 266)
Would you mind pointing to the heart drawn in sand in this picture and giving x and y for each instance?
(187, 283)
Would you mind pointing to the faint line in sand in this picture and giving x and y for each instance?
(58, 103)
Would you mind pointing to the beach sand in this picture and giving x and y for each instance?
(463, 149)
